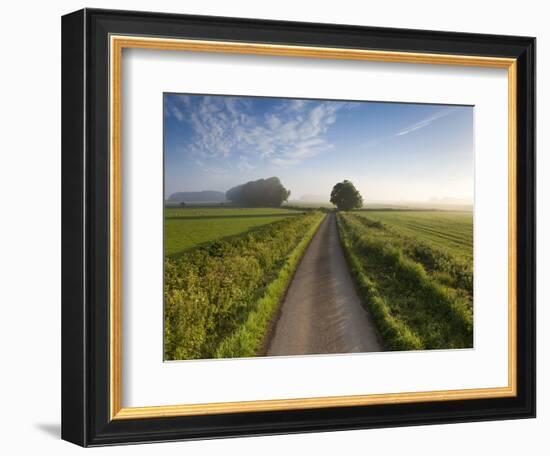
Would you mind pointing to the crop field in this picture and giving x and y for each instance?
(449, 231)
(189, 227)
(414, 272)
(222, 288)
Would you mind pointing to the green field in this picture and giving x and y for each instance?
(227, 269)
(187, 228)
(220, 294)
(449, 231)
(414, 271)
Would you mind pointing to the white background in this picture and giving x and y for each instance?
(147, 74)
(30, 241)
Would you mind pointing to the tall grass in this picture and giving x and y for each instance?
(413, 308)
(442, 264)
(219, 298)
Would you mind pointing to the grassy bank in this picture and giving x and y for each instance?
(441, 242)
(220, 297)
(419, 296)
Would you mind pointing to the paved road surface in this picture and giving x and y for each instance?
(321, 312)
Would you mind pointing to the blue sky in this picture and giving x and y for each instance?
(390, 151)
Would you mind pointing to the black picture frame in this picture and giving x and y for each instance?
(85, 225)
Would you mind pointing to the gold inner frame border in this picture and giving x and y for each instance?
(116, 46)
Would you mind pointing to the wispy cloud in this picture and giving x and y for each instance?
(424, 123)
(175, 111)
(244, 164)
(243, 131)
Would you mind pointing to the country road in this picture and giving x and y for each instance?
(322, 312)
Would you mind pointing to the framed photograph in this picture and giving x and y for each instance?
(278, 227)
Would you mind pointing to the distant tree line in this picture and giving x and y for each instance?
(262, 192)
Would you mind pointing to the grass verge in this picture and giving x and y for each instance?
(412, 309)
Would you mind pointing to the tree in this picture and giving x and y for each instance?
(345, 196)
(262, 192)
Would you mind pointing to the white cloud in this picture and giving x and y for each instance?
(425, 122)
(230, 128)
(244, 164)
(294, 105)
(177, 113)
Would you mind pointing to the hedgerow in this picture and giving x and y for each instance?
(219, 298)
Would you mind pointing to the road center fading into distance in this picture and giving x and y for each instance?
(322, 312)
